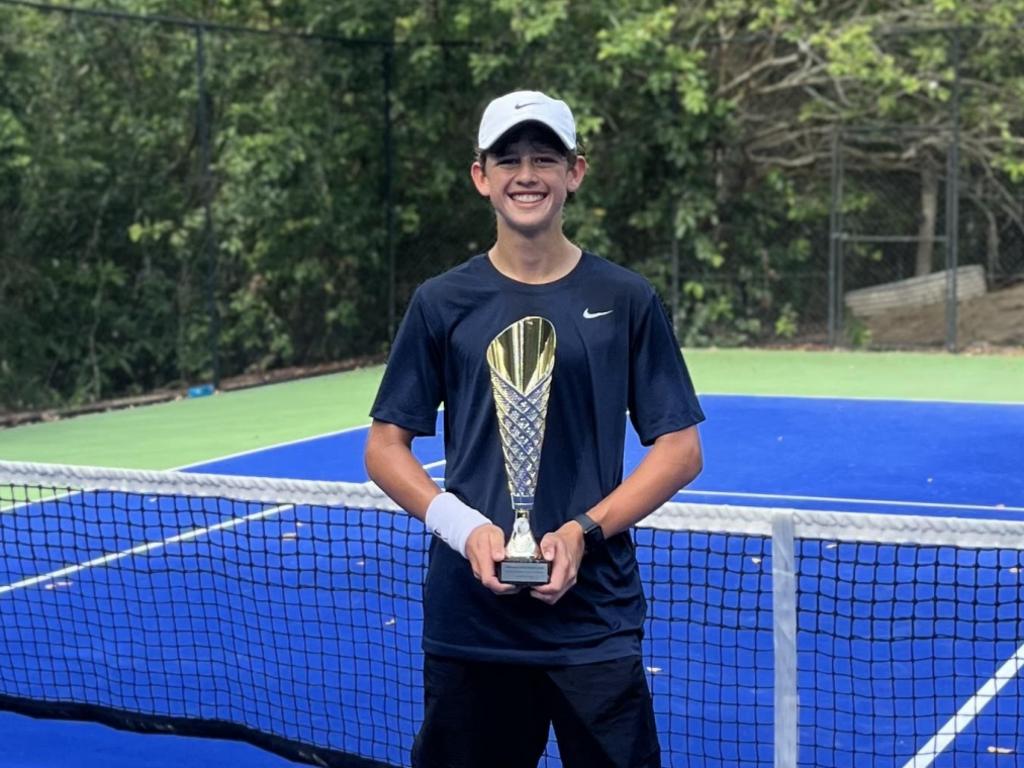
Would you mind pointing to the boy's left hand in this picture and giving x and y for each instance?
(564, 550)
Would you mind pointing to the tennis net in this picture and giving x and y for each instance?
(288, 614)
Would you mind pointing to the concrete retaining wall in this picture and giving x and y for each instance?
(916, 291)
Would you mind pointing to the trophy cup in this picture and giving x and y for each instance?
(522, 359)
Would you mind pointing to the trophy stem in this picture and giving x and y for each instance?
(521, 543)
(523, 564)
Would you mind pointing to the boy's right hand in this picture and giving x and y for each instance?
(485, 547)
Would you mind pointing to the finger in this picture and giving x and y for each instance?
(563, 575)
(558, 557)
(550, 592)
(493, 551)
(490, 581)
(549, 547)
(500, 587)
(484, 572)
(478, 564)
(480, 548)
(497, 544)
(547, 597)
(547, 594)
(555, 585)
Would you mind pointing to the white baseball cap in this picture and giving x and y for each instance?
(508, 111)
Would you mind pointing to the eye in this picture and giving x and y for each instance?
(508, 161)
(545, 161)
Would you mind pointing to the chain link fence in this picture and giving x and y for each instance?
(896, 220)
(183, 201)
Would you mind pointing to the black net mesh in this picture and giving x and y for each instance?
(296, 625)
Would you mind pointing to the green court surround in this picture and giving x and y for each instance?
(192, 430)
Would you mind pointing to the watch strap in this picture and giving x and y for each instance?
(593, 536)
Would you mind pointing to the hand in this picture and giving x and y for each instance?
(485, 547)
(564, 550)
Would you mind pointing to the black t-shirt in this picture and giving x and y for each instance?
(615, 352)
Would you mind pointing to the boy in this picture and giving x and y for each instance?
(503, 663)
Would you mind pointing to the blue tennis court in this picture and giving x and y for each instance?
(843, 454)
(894, 639)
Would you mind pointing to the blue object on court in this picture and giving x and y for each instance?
(202, 390)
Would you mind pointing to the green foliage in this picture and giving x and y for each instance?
(786, 323)
(706, 126)
(858, 335)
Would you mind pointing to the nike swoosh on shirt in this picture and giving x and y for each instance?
(588, 315)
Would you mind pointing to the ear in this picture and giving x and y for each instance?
(576, 173)
(480, 180)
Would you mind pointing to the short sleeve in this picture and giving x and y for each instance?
(661, 395)
(413, 383)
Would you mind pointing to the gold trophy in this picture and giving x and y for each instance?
(522, 359)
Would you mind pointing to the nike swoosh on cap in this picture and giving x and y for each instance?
(526, 104)
(591, 315)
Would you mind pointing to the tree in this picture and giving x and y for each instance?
(340, 155)
(814, 69)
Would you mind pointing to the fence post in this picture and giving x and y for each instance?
(206, 193)
(674, 290)
(833, 241)
(389, 203)
(953, 204)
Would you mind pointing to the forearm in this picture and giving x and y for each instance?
(391, 464)
(672, 463)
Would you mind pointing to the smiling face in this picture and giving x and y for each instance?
(527, 175)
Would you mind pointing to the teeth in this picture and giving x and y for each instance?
(531, 198)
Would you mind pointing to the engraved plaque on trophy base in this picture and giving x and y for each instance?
(524, 572)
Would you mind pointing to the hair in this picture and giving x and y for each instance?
(535, 133)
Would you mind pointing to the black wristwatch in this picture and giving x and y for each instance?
(593, 536)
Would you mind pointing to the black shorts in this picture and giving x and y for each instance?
(483, 715)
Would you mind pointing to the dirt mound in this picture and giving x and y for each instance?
(997, 319)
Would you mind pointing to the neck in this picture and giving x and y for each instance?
(536, 260)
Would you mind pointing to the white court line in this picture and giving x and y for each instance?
(143, 548)
(40, 500)
(58, 496)
(270, 447)
(970, 710)
(842, 500)
(966, 714)
(861, 398)
(150, 546)
(839, 499)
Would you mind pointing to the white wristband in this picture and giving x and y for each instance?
(453, 521)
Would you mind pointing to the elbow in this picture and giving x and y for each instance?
(689, 456)
(693, 465)
(698, 467)
(379, 453)
(696, 464)
(371, 458)
(368, 464)
(374, 464)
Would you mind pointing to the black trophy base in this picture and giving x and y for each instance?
(524, 572)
